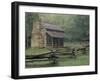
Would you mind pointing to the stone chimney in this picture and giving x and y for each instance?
(37, 39)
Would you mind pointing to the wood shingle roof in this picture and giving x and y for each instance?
(52, 27)
(56, 34)
(53, 30)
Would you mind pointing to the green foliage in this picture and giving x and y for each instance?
(29, 19)
(76, 26)
(80, 29)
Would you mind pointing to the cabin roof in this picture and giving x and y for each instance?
(52, 27)
(56, 34)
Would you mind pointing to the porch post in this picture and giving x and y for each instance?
(52, 41)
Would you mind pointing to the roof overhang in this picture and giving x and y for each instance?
(56, 34)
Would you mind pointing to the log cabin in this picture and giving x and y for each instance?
(47, 35)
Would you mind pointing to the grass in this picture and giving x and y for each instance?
(36, 51)
(74, 44)
(38, 64)
(81, 59)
